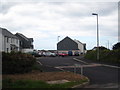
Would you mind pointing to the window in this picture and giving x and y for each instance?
(17, 41)
(11, 40)
(7, 49)
(11, 48)
(7, 39)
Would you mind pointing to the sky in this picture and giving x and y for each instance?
(44, 21)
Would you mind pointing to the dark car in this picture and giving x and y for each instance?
(76, 53)
(70, 53)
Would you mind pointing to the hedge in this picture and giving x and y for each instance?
(111, 56)
(17, 62)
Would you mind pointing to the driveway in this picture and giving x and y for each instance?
(100, 76)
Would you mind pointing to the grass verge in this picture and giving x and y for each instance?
(9, 83)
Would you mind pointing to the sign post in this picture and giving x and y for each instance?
(78, 65)
(75, 69)
(81, 70)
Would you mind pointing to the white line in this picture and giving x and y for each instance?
(101, 64)
(92, 65)
(59, 68)
(80, 61)
(110, 66)
(39, 62)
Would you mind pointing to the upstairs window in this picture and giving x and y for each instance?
(7, 39)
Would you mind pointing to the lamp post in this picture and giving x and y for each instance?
(58, 38)
(97, 37)
(57, 42)
(108, 44)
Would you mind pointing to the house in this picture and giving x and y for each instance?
(8, 41)
(67, 44)
(25, 43)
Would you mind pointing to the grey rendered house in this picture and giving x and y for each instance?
(67, 44)
(25, 43)
(8, 41)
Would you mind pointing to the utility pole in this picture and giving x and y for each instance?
(108, 44)
(97, 37)
(57, 43)
(58, 38)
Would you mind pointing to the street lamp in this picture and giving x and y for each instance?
(57, 43)
(97, 37)
(58, 38)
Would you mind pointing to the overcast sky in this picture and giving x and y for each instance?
(45, 21)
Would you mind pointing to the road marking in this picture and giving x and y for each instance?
(110, 66)
(101, 64)
(39, 62)
(60, 69)
(92, 65)
(80, 61)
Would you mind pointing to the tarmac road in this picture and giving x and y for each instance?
(100, 76)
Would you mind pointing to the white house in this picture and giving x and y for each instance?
(81, 46)
(8, 41)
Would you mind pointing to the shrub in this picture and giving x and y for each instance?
(91, 54)
(110, 56)
(116, 46)
(16, 62)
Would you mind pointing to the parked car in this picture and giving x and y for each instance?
(36, 54)
(50, 54)
(43, 54)
(70, 53)
(53, 54)
(76, 53)
(40, 54)
(63, 54)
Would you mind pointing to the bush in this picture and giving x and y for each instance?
(116, 46)
(110, 56)
(16, 62)
(91, 54)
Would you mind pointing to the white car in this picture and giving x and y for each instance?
(43, 54)
(50, 54)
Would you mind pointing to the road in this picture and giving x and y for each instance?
(101, 76)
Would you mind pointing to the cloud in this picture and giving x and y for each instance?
(47, 20)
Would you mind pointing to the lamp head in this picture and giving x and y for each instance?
(94, 14)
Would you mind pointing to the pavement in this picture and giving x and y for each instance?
(101, 75)
(58, 81)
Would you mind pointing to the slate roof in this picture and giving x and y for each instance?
(27, 39)
(7, 33)
(76, 41)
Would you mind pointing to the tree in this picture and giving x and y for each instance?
(100, 48)
(116, 46)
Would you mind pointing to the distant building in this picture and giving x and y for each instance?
(8, 41)
(25, 43)
(67, 44)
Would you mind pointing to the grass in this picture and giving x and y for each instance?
(8, 83)
(37, 79)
